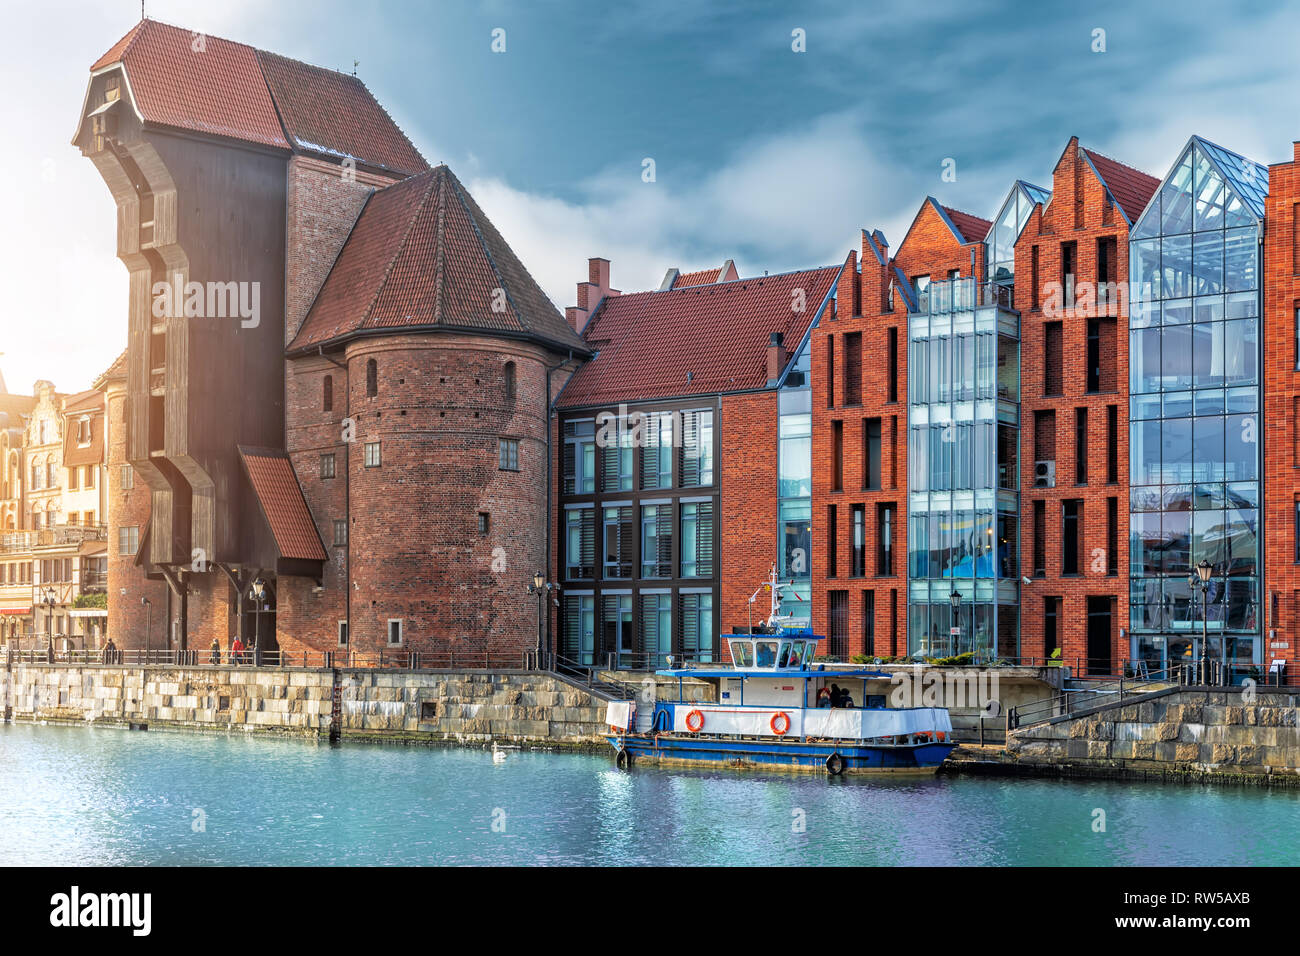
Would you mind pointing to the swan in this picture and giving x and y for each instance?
(498, 756)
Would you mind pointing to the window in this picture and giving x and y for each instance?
(697, 627)
(83, 431)
(508, 454)
(394, 631)
(656, 541)
(372, 378)
(579, 542)
(1069, 268)
(697, 449)
(372, 454)
(884, 539)
(90, 518)
(1040, 539)
(832, 539)
(1053, 379)
(1080, 446)
(49, 475)
(870, 454)
(657, 626)
(868, 623)
(853, 368)
(837, 456)
(891, 359)
(579, 461)
(1051, 630)
(579, 628)
(1033, 279)
(88, 479)
(657, 453)
(327, 465)
(1112, 443)
(327, 394)
(127, 478)
(830, 371)
(343, 633)
(340, 534)
(510, 383)
(1071, 535)
(697, 539)
(619, 456)
(1297, 332)
(128, 540)
(858, 561)
(72, 479)
(484, 522)
(619, 540)
(1112, 536)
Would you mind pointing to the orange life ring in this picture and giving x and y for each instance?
(695, 721)
(784, 720)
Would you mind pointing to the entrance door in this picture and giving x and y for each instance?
(1099, 636)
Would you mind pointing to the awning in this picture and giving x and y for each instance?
(88, 612)
(15, 611)
(283, 506)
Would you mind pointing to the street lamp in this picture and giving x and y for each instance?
(541, 587)
(955, 598)
(49, 599)
(1203, 571)
(148, 627)
(259, 591)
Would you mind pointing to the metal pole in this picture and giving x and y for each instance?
(1205, 624)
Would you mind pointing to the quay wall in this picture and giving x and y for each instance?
(1225, 733)
(415, 706)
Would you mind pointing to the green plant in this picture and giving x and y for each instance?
(91, 600)
(957, 660)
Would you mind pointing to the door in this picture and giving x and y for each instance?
(1099, 636)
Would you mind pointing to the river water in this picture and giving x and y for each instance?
(86, 796)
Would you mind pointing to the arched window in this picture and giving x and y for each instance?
(36, 518)
(327, 397)
(49, 474)
(510, 383)
(372, 378)
(37, 471)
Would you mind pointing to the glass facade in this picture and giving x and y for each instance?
(794, 487)
(1194, 449)
(963, 448)
(1010, 220)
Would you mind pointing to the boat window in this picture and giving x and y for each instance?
(783, 658)
(741, 653)
(795, 652)
(766, 653)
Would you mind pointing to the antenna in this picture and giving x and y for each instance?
(355, 63)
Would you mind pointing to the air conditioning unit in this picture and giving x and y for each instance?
(1044, 474)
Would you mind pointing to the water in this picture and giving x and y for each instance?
(85, 796)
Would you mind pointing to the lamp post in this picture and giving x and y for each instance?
(259, 591)
(541, 587)
(49, 599)
(955, 598)
(148, 627)
(1203, 572)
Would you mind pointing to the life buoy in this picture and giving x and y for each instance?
(835, 765)
(623, 759)
(695, 721)
(780, 723)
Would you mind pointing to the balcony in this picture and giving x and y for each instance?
(65, 536)
(958, 295)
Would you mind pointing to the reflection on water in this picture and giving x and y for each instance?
(71, 795)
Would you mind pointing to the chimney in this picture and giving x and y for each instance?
(590, 293)
(775, 357)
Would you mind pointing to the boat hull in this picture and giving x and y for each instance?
(790, 755)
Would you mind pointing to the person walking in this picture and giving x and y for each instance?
(236, 651)
(216, 651)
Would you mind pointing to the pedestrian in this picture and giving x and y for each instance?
(824, 697)
(216, 651)
(236, 651)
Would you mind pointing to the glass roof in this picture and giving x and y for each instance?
(1007, 225)
(1208, 188)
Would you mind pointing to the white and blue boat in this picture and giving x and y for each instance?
(773, 708)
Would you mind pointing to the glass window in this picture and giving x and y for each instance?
(796, 538)
(795, 467)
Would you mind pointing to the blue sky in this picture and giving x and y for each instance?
(768, 156)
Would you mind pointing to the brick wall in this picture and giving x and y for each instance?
(1079, 213)
(748, 484)
(1281, 407)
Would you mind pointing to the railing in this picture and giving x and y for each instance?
(13, 542)
(954, 295)
(1070, 702)
(450, 659)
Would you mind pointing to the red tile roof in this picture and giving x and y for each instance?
(971, 228)
(115, 371)
(1131, 188)
(702, 277)
(271, 474)
(422, 255)
(333, 114)
(233, 90)
(649, 342)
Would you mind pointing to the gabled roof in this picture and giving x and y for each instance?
(965, 227)
(422, 256)
(1129, 188)
(1247, 177)
(116, 371)
(1244, 185)
(91, 400)
(701, 340)
(280, 496)
(230, 89)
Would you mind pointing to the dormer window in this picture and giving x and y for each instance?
(83, 431)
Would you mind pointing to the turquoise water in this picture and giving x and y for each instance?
(83, 796)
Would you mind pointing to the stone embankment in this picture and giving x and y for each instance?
(412, 706)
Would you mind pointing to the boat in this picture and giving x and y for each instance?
(769, 711)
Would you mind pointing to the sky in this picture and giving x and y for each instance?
(764, 154)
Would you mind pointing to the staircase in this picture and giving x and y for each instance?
(1080, 695)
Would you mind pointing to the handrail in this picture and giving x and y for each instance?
(1071, 701)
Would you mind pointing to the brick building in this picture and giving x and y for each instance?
(684, 461)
